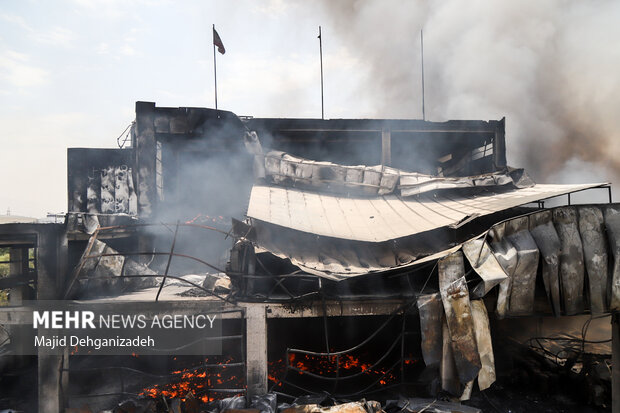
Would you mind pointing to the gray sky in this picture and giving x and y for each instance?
(71, 71)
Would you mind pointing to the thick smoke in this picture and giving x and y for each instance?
(550, 67)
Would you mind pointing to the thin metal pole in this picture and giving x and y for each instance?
(402, 348)
(163, 281)
(422, 54)
(321, 53)
(615, 359)
(214, 67)
(326, 332)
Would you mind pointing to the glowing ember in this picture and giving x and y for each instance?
(203, 383)
(196, 381)
(331, 366)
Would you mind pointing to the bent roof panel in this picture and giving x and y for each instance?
(388, 217)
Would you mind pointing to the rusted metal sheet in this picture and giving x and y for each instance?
(571, 259)
(449, 376)
(612, 224)
(524, 276)
(455, 297)
(592, 230)
(466, 395)
(431, 315)
(506, 255)
(483, 261)
(548, 242)
(486, 376)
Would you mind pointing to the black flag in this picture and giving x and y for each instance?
(218, 42)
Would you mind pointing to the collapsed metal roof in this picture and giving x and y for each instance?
(383, 218)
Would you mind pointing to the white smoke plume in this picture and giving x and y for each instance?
(550, 67)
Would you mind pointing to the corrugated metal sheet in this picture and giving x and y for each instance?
(383, 218)
(284, 169)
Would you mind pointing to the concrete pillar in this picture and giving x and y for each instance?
(256, 349)
(18, 268)
(50, 379)
(145, 149)
(615, 359)
(499, 144)
(51, 262)
(386, 147)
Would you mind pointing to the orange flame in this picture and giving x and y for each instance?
(195, 381)
(198, 380)
(329, 366)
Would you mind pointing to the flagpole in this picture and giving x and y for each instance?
(214, 67)
(422, 54)
(321, 53)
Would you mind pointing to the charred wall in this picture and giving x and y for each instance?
(189, 161)
(412, 145)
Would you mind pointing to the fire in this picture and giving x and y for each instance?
(196, 381)
(330, 366)
(203, 383)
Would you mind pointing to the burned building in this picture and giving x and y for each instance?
(349, 256)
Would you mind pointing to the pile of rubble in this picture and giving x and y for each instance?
(268, 403)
